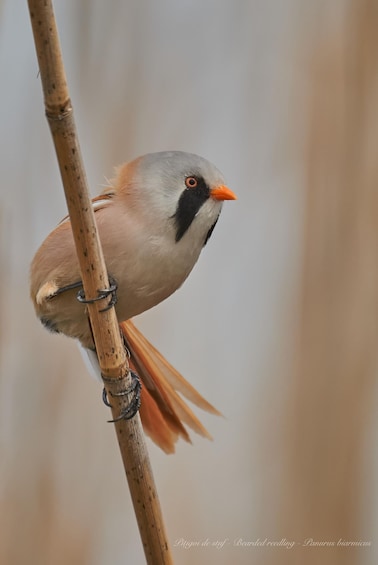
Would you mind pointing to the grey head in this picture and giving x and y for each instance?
(182, 188)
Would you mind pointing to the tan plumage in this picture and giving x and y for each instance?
(152, 224)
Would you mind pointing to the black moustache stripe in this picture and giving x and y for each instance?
(208, 235)
(188, 206)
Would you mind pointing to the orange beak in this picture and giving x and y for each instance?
(222, 192)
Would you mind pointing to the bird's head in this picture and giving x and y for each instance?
(178, 190)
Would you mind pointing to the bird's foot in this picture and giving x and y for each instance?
(134, 404)
(103, 293)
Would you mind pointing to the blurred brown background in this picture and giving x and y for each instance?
(282, 97)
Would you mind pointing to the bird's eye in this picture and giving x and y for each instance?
(191, 182)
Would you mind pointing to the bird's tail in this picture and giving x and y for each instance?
(163, 411)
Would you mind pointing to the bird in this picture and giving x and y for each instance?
(153, 220)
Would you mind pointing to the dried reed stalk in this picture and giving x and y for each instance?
(110, 350)
(336, 357)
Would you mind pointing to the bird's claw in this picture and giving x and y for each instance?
(102, 293)
(134, 404)
(105, 398)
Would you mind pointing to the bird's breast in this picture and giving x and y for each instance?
(148, 272)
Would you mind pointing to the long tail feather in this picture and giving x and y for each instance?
(163, 411)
